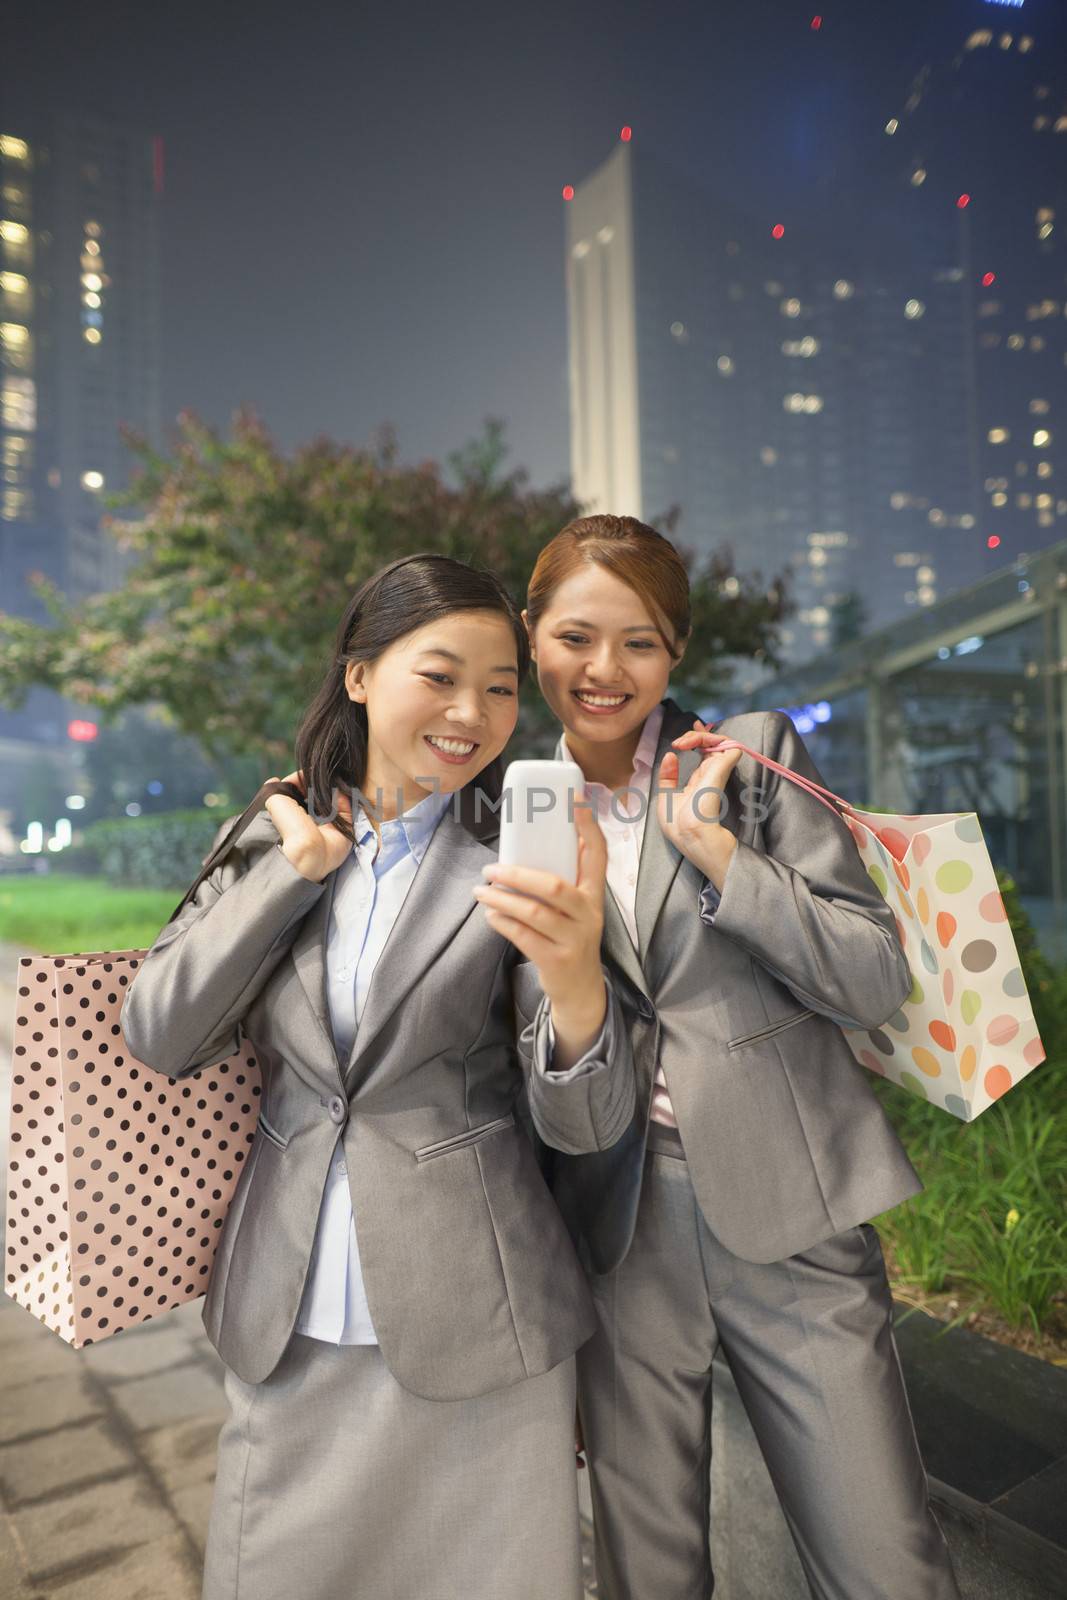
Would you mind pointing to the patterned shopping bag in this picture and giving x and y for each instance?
(966, 1033)
(119, 1178)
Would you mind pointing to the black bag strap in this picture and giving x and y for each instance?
(226, 844)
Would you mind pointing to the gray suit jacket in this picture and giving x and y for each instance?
(786, 1142)
(471, 1279)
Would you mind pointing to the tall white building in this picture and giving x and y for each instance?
(602, 341)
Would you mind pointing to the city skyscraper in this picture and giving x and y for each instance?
(977, 169)
(760, 384)
(841, 394)
(679, 368)
(79, 356)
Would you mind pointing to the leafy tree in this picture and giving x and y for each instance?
(241, 561)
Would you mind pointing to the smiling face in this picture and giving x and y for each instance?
(601, 661)
(441, 702)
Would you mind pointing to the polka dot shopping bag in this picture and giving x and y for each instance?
(966, 1033)
(119, 1178)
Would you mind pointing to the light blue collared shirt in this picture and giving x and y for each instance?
(370, 889)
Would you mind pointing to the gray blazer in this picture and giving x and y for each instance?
(471, 1279)
(786, 1141)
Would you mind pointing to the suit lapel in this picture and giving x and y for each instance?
(437, 903)
(309, 958)
(659, 859)
(619, 946)
(435, 907)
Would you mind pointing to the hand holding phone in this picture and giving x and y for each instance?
(548, 898)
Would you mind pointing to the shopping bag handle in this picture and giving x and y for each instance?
(819, 790)
(226, 844)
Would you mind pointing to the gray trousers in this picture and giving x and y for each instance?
(811, 1349)
(334, 1483)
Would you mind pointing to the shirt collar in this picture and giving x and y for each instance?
(644, 755)
(410, 833)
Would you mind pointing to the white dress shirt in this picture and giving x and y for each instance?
(368, 894)
(623, 826)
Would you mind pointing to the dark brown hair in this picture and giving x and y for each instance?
(331, 742)
(638, 555)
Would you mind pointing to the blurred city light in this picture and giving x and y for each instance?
(568, 191)
(62, 836)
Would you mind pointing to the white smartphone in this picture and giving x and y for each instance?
(537, 827)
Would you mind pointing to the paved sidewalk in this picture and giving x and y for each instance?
(107, 1455)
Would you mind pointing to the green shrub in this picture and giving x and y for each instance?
(155, 852)
(991, 1218)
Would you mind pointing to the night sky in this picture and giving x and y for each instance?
(362, 218)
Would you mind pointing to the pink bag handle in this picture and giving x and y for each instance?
(817, 789)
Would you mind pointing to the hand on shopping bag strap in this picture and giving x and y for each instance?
(689, 814)
(314, 848)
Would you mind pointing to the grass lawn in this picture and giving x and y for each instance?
(57, 914)
(985, 1244)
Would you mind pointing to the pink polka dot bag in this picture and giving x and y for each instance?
(966, 1033)
(119, 1178)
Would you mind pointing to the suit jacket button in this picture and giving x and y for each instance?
(337, 1108)
(646, 1009)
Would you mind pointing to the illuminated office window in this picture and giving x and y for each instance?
(18, 404)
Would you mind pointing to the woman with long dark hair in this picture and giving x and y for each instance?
(742, 928)
(394, 1295)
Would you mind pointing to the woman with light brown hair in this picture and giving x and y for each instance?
(742, 929)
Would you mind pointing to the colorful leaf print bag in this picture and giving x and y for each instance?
(966, 1034)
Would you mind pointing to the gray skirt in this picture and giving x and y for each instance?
(334, 1483)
